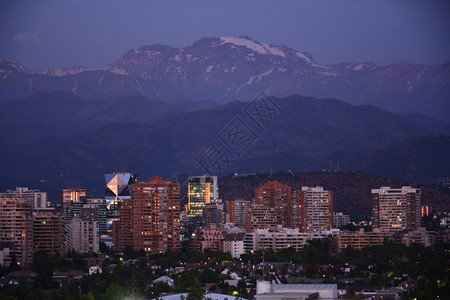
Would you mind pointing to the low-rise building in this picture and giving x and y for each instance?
(409, 237)
(356, 240)
(208, 238)
(234, 243)
(6, 251)
(165, 279)
(267, 291)
(282, 238)
(261, 217)
(262, 239)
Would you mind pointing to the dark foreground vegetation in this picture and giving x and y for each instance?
(130, 275)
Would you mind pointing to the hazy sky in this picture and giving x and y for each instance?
(56, 34)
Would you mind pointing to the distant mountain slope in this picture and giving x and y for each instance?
(415, 160)
(351, 189)
(228, 68)
(62, 114)
(437, 126)
(310, 128)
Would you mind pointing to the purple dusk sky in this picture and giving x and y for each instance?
(58, 34)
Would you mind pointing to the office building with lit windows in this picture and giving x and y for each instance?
(201, 190)
(150, 219)
(396, 209)
(70, 197)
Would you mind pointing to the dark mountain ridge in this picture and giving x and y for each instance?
(62, 114)
(126, 135)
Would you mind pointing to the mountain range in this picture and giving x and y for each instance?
(55, 140)
(203, 109)
(226, 69)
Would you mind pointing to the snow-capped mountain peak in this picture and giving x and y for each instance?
(11, 66)
(229, 68)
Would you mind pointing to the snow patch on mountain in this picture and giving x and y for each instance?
(177, 58)
(358, 67)
(303, 56)
(274, 50)
(209, 69)
(257, 78)
(258, 47)
(11, 66)
(65, 72)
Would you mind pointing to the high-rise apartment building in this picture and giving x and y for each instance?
(396, 209)
(82, 232)
(201, 190)
(313, 209)
(73, 209)
(150, 219)
(276, 195)
(48, 231)
(82, 236)
(260, 216)
(237, 211)
(16, 226)
(99, 205)
(213, 214)
(35, 198)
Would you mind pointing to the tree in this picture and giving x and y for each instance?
(196, 292)
(226, 256)
(113, 292)
(44, 266)
(242, 288)
(103, 248)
